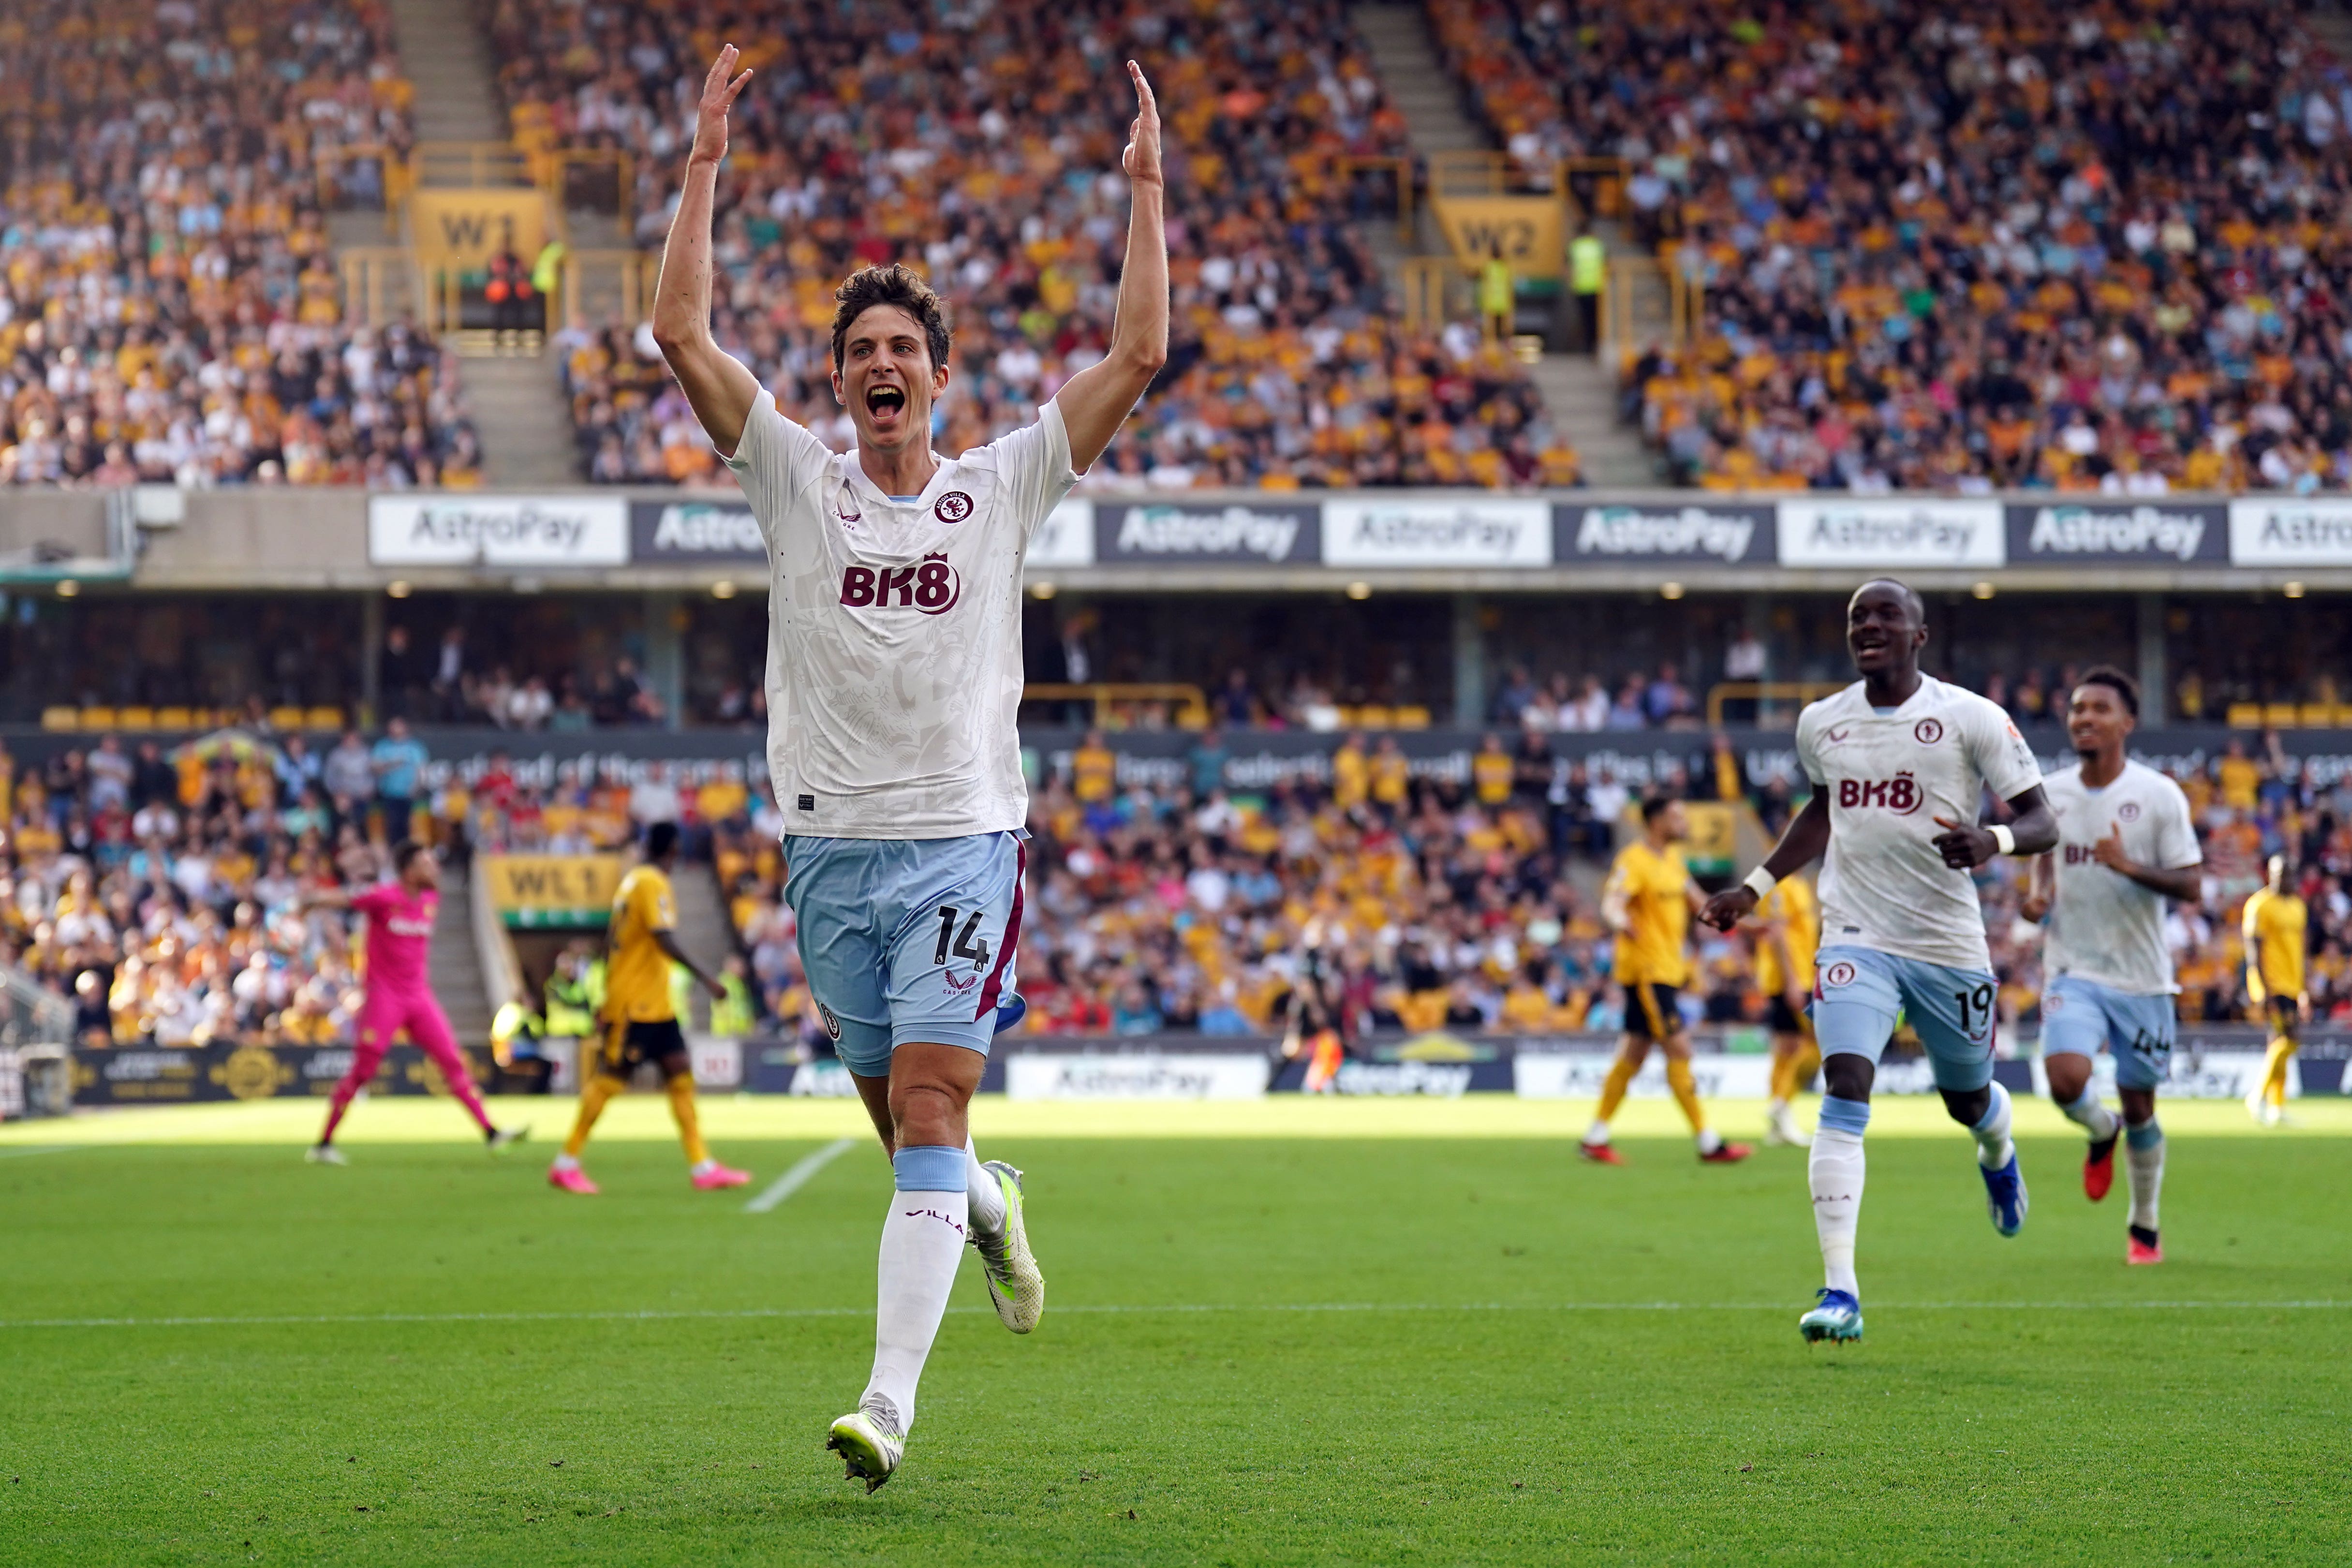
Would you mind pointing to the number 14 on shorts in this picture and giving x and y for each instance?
(967, 944)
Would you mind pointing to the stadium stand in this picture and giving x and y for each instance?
(2086, 249)
(170, 309)
(966, 141)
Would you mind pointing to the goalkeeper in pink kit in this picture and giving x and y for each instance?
(400, 915)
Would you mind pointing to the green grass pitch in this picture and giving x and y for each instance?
(1287, 1332)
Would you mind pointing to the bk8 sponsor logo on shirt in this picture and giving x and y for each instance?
(1899, 794)
(932, 588)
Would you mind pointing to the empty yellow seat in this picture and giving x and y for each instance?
(1412, 717)
(61, 718)
(2245, 716)
(286, 718)
(98, 718)
(2279, 715)
(2317, 716)
(135, 717)
(323, 718)
(1374, 716)
(172, 719)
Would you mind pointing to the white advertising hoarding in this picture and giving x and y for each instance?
(1579, 1074)
(1885, 533)
(1147, 1075)
(2286, 531)
(1066, 537)
(498, 531)
(1465, 530)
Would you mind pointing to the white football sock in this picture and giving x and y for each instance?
(987, 1197)
(2144, 1157)
(922, 1243)
(2091, 1116)
(1835, 1170)
(1598, 1132)
(1993, 1147)
(564, 1161)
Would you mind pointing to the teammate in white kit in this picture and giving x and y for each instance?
(894, 682)
(1893, 758)
(2126, 844)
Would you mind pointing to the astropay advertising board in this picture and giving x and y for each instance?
(1886, 533)
(549, 531)
(1446, 530)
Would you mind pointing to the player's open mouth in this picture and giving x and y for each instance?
(885, 400)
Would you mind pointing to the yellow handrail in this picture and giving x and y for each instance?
(1192, 713)
(1724, 691)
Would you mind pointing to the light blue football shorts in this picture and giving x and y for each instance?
(1858, 992)
(907, 940)
(2078, 1015)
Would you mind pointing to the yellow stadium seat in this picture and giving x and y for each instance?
(172, 719)
(286, 718)
(323, 718)
(1373, 716)
(1350, 717)
(2279, 715)
(135, 717)
(2245, 716)
(98, 718)
(1412, 717)
(2317, 716)
(61, 718)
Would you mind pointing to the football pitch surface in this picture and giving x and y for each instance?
(1282, 1331)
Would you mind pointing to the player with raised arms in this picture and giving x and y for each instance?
(1899, 762)
(2126, 844)
(893, 686)
(400, 914)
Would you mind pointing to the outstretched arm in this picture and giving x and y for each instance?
(1097, 401)
(1808, 835)
(715, 383)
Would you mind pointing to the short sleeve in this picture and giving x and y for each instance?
(2003, 759)
(1032, 468)
(374, 901)
(656, 909)
(2250, 920)
(2175, 836)
(774, 461)
(1808, 756)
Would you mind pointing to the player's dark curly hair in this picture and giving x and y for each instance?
(2124, 685)
(893, 285)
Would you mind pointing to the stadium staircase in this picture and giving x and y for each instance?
(517, 407)
(705, 934)
(458, 962)
(1578, 391)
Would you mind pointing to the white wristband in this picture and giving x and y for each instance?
(2004, 841)
(1760, 882)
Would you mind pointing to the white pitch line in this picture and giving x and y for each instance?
(41, 1149)
(1142, 1308)
(796, 1178)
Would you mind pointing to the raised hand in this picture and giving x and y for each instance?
(718, 90)
(1141, 159)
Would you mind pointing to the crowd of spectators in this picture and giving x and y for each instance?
(170, 307)
(2081, 248)
(162, 892)
(1469, 904)
(979, 144)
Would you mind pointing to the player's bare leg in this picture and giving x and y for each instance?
(996, 1217)
(928, 1101)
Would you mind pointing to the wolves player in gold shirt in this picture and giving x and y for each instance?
(639, 1021)
(1790, 930)
(2275, 923)
(1648, 901)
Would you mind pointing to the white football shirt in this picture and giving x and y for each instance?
(1888, 776)
(2105, 926)
(894, 630)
